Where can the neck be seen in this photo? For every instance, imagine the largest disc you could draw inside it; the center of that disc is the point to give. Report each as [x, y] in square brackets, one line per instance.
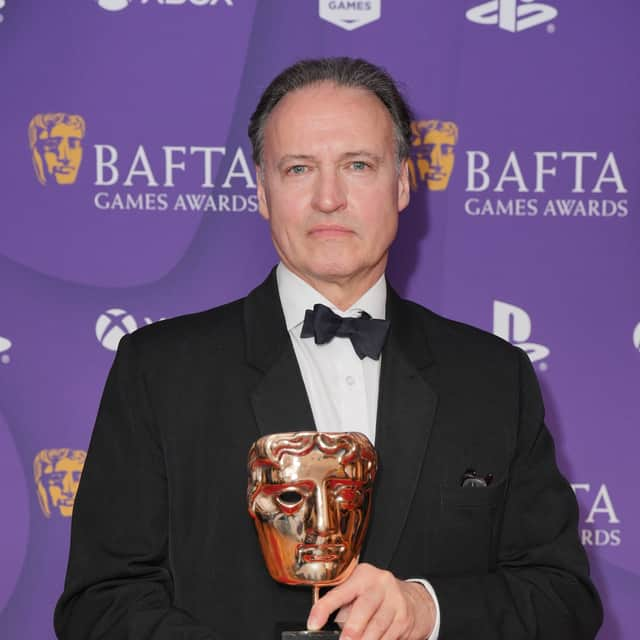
[343, 292]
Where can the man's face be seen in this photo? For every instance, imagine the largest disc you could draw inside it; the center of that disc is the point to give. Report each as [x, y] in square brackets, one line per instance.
[330, 185]
[61, 482]
[61, 149]
[434, 156]
[311, 515]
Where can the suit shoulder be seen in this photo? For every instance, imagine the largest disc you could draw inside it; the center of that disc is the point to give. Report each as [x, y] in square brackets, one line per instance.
[444, 334]
[212, 327]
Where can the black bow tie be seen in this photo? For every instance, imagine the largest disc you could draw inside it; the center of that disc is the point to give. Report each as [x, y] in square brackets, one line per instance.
[367, 334]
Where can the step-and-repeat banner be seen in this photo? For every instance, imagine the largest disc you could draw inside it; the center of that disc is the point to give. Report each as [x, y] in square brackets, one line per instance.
[128, 195]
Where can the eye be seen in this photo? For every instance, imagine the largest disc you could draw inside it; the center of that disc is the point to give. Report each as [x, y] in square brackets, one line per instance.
[297, 170]
[359, 165]
[289, 498]
[349, 498]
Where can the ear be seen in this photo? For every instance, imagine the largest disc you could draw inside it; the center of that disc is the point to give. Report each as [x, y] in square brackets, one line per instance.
[263, 207]
[404, 190]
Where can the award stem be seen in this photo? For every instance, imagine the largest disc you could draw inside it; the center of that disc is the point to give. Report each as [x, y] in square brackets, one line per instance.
[316, 594]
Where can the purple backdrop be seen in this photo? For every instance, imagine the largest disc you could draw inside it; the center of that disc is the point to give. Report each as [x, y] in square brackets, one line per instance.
[128, 196]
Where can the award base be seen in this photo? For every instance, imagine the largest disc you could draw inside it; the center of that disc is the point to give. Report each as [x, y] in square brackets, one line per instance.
[322, 634]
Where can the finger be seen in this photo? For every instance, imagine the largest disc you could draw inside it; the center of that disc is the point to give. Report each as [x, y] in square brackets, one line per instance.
[363, 610]
[379, 624]
[343, 615]
[338, 597]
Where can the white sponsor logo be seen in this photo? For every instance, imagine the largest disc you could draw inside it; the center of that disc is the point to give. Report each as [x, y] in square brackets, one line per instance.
[514, 324]
[119, 5]
[2, 5]
[512, 15]
[5, 345]
[112, 325]
[350, 14]
[601, 514]
[636, 336]
[114, 5]
[595, 178]
[163, 167]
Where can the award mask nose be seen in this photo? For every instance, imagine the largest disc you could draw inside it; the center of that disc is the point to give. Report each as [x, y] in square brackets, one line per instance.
[321, 521]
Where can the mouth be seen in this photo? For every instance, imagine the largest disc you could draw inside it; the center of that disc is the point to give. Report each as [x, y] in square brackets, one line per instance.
[320, 552]
[64, 170]
[330, 231]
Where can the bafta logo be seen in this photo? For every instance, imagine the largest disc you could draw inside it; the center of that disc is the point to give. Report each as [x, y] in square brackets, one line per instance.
[432, 153]
[57, 474]
[55, 140]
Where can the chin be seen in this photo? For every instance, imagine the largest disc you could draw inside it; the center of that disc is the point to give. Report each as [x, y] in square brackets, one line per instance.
[321, 573]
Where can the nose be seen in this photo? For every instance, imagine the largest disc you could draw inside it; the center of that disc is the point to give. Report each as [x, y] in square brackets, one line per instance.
[435, 157]
[63, 151]
[321, 521]
[329, 193]
[67, 484]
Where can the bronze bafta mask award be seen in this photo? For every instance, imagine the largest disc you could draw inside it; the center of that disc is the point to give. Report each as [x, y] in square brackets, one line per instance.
[309, 495]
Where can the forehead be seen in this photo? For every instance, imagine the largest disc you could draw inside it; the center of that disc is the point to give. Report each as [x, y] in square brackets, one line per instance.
[315, 465]
[62, 130]
[326, 117]
[64, 464]
[436, 135]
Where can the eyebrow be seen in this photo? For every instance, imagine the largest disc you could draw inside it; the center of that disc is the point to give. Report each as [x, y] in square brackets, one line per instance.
[298, 157]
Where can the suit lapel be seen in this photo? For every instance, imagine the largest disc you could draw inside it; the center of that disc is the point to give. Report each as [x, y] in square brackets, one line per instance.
[279, 401]
[406, 404]
[406, 411]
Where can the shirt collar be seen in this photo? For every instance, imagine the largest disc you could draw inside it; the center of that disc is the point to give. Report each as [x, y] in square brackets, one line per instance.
[296, 296]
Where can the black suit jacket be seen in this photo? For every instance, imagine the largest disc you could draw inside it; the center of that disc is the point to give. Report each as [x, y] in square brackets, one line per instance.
[162, 545]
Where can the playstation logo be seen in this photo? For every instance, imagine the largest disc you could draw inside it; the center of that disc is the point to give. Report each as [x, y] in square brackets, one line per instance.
[513, 324]
[512, 15]
[5, 345]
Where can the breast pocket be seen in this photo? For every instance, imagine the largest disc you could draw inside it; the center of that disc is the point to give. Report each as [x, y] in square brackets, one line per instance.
[466, 530]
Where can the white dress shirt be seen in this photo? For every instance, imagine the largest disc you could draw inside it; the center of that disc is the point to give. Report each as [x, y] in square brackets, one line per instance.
[342, 389]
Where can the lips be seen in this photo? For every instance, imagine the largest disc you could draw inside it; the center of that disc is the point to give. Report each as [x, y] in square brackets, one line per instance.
[330, 230]
[320, 552]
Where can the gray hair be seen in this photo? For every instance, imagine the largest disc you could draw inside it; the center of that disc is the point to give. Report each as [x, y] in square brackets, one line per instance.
[344, 72]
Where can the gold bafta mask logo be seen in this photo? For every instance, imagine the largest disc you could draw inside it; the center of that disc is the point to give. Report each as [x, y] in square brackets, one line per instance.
[309, 494]
[55, 140]
[432, 153]
[57, 474]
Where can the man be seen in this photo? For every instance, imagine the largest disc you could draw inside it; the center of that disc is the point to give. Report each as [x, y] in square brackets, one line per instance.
[468, 498]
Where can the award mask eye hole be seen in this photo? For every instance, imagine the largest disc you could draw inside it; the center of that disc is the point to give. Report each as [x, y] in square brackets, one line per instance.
[350, 498]
[289, 498]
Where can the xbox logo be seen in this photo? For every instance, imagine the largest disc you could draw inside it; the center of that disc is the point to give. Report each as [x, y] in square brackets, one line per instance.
[112, 325]
[113, 5]
[5, 345]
